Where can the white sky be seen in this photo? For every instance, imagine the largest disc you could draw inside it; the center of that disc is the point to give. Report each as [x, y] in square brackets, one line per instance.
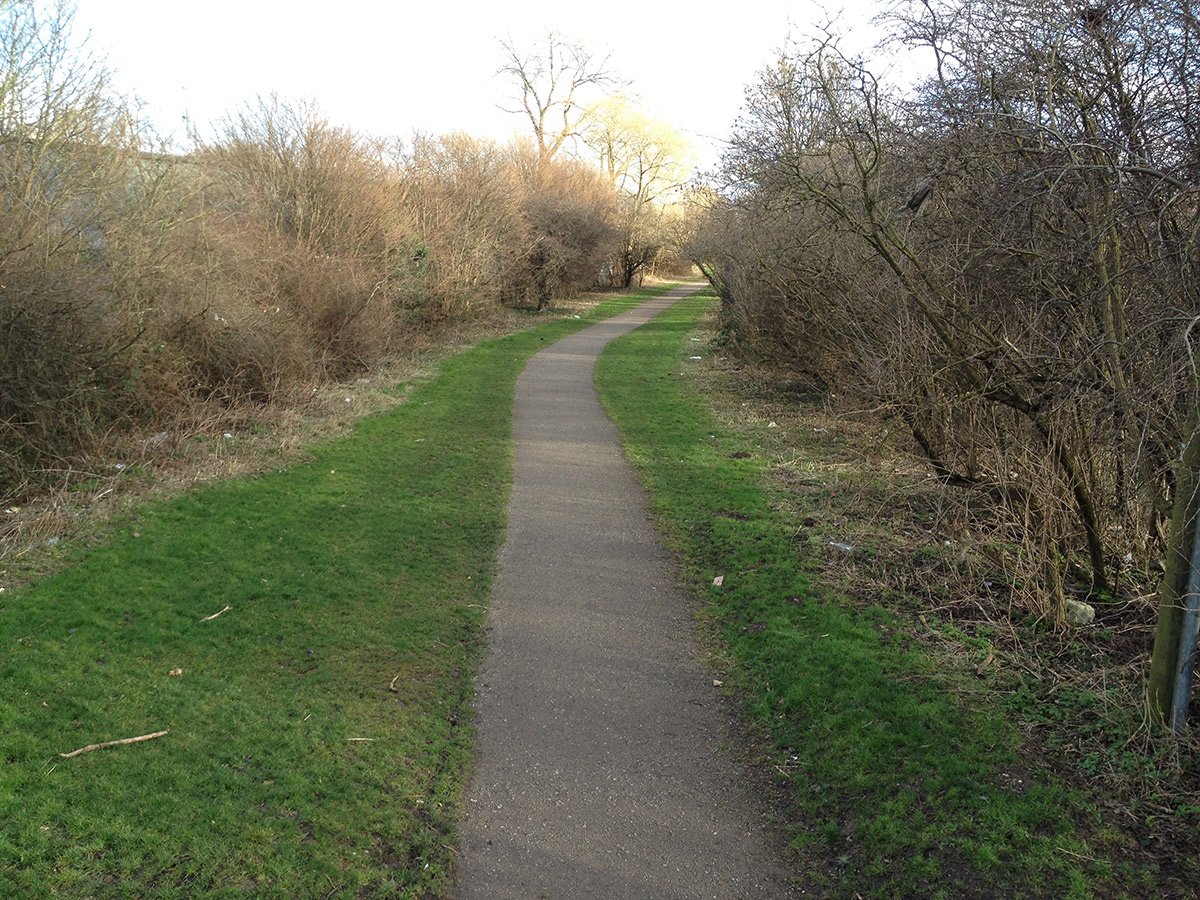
[392, 68]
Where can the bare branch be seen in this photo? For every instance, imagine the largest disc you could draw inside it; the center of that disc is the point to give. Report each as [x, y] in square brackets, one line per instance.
[550, 81]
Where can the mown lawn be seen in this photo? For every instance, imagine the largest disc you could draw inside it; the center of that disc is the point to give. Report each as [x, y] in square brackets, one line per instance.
[900, 783]
[319, 728]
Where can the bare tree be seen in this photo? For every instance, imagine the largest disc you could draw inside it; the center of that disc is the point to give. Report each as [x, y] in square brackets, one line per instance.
[549, 80]
[1025, 326]
[646, 160]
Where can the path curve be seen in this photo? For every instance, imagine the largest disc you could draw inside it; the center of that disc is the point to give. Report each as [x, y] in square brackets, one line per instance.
[600, 769]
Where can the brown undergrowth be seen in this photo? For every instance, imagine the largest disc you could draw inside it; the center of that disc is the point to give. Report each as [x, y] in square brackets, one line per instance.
[41, 531]
[877, 528]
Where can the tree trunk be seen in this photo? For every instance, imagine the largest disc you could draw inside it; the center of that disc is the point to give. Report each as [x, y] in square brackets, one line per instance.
[629, 268]
[1164, 663]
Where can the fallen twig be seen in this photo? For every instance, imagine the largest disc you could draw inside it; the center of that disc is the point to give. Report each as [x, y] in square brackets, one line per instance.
[133, 740]
[991, 657]
[214, 615]
[357, 740]
[1076, 855]
[392, 686]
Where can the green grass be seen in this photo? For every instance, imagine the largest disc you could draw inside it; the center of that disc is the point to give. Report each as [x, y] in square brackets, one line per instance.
[365, 568]
[902, 785]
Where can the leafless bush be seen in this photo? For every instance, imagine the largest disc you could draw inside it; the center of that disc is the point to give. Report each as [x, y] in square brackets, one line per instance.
[322, 208]
[1004, 263]
[139, 289]
[500, 225]
[465, 200]
[570, 216]
[72, 183]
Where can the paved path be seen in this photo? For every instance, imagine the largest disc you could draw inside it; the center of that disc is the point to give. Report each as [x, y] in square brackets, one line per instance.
[600, 767]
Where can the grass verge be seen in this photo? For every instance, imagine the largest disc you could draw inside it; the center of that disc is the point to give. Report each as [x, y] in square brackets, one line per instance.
[905, 778]
[318, 728]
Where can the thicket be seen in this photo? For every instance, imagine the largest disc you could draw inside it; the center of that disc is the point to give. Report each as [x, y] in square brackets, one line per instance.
[137, 287]
[1003, 263]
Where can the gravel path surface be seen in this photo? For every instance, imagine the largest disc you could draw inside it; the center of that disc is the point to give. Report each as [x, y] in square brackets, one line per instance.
[601, 767]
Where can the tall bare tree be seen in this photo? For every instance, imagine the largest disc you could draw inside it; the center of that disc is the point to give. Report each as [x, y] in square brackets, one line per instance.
[549, 80]
[647, 162]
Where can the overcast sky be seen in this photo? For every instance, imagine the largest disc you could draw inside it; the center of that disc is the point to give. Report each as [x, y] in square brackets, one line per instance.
[389, 68]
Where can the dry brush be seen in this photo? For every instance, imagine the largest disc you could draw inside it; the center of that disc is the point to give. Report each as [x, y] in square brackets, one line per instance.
[1003, 262]
[140, 288]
